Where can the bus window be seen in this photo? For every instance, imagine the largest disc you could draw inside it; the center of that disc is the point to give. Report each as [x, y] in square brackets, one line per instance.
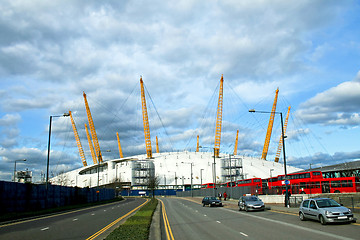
[346, 183]
[335, 184]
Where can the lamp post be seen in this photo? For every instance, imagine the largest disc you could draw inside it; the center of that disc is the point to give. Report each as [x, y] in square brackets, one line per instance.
[270, 179]
[98, 167]
[15, 166]
[191, 177]
[214, 172]
[283, 142]
[201, 176]
[231, 179]
[48, 153]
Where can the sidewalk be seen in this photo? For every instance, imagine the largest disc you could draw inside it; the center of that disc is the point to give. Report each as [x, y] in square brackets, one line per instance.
[233, 204]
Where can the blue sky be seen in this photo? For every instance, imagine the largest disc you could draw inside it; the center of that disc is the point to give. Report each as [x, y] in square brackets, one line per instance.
[50, 52]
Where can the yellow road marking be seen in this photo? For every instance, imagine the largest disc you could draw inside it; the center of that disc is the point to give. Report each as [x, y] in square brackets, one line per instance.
[168, 230]
[288, 213]
[53, 215]
[114, 222]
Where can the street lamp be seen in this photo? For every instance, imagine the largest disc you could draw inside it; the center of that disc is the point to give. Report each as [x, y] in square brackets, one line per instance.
[270, 179]
[231, 179]
[283, 142]
[15, 166]
[201, 176]
[48, 153]
[98, 167]
[214, 171]
[191, 177]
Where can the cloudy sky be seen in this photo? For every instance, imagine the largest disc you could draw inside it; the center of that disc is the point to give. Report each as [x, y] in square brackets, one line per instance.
[53, 51]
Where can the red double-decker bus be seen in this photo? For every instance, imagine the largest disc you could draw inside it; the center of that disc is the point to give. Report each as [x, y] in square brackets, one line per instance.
[228, 184]
[255, 185]
[207, 185]
[313, 183]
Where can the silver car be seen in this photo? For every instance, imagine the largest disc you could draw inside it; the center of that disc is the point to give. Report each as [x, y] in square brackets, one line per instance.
[251, 203]
[325, 210]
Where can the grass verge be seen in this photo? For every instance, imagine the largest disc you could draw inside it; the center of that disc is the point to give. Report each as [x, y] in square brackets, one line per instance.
[137, 226]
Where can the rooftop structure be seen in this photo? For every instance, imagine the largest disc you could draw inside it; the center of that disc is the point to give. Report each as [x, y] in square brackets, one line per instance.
[171, 168]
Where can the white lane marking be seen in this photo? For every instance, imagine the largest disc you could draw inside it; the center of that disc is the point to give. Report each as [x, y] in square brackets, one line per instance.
[204, 215]
[92, 214]
[292, 225]
[112, 208]
[75, 219]
[44, 229]
[244, 234]
[218, 221]
[104, 210]
[196, 211]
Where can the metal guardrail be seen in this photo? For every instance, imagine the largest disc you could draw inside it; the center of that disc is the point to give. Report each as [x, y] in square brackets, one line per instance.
[295, 201]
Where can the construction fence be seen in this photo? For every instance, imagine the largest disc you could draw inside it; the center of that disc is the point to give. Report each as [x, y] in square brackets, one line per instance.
[23, 197]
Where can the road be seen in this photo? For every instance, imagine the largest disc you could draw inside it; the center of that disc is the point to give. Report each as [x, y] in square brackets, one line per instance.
[79, 224]
[190, 220]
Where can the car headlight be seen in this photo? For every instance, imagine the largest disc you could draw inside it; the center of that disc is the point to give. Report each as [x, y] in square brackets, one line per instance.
[328, 213]
[250, 205]
[349, 210]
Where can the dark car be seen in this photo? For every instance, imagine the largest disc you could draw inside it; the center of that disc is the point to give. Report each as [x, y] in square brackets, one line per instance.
[251, 203]
[325, 210]
[211, 201]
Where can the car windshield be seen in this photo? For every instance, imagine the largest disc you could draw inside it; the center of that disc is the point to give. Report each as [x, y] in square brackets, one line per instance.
[212, 198]
[252, 198]
[325, 203]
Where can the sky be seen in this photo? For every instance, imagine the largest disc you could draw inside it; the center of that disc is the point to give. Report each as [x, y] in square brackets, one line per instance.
[53, 51]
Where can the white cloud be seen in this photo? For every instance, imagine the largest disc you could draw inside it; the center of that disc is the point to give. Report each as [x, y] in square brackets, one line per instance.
[53, 51]
[335, 106]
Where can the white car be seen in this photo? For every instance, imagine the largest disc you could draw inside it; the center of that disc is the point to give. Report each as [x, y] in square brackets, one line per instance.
[325, 210]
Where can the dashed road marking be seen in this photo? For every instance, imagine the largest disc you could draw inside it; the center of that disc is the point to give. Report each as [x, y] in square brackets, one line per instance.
[218, 221]
[75, 219]
[244, 234]
[44, 229]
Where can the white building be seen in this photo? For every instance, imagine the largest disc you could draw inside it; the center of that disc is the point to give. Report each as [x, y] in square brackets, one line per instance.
[172, 168]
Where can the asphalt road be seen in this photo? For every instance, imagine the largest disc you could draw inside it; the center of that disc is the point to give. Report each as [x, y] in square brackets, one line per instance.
[79, 224]
[189, 220]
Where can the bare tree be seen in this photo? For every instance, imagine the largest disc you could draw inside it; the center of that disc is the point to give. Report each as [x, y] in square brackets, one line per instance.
[152, 184]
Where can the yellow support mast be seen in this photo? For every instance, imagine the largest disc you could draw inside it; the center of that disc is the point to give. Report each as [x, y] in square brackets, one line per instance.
[277, 157]
[92, 130]
[145, 121]
[236, 142]
[270, 126]
[81, 150]
[197, 144]
[91, 146]
[157, 145]
[219, 119]
[120, 150]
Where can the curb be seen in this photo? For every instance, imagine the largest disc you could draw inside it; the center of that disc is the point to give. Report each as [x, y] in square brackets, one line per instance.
[155, 232]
